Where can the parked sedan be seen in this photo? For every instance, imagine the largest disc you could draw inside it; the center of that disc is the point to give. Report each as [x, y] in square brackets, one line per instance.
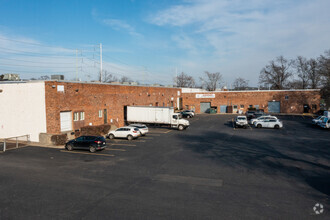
[269, 123]
[125, 132]
[262, 118]
[190, 111]
[142, 128]
[91, 143]
[186, 115]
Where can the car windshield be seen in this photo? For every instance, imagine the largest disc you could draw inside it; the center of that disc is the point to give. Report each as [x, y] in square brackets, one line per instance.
[241, 118]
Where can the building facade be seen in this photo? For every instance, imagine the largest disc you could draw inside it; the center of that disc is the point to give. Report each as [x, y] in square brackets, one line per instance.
[55, 107]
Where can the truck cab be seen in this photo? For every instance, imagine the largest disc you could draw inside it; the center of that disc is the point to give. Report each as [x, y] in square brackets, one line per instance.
[178, 122]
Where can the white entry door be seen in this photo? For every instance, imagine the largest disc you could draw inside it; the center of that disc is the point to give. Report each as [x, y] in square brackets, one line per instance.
[66, 121]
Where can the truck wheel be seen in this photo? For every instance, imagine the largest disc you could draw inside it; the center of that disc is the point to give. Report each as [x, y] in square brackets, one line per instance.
[259, 126]
[276, 126]
[111, 136]
[180, 127]
[129, 137]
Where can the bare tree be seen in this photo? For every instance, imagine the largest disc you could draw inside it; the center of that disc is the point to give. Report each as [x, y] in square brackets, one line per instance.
[314, 75]
[302, 68]
[240, 84]
[184, 80]
[44, 77]
[276, 74]
[125, 79]
[324, 65]
[211, 80]
[109, 77]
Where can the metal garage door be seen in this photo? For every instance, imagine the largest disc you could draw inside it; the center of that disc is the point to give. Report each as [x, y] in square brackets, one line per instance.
[205, 107]
[66, 121]
[223, 108]
[274, 107]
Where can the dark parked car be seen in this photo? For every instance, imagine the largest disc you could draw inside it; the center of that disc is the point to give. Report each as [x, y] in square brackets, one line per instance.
[250, 114]
[91, 143]
[186, 115]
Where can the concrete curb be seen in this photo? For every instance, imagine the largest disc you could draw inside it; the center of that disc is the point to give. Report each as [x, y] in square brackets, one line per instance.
[37, 144]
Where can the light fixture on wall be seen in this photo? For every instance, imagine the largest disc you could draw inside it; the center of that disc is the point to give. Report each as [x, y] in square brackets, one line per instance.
[53, 86]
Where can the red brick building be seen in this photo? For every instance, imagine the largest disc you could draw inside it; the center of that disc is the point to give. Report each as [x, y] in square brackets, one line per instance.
[276, 101]
[53, 107]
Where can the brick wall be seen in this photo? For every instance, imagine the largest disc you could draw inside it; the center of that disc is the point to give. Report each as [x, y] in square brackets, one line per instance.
[294, 103]
[92, 97]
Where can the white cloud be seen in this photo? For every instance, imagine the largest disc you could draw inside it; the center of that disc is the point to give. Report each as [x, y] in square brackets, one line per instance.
[117, 24]
[242, 36]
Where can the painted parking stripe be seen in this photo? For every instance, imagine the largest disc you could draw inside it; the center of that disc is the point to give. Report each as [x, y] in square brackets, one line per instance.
[147, 137]
[114, 149]
[153, 134]
[130, 145]
[76, 152]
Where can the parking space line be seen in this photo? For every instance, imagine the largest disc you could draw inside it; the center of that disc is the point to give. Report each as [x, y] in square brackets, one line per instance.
[154, 134]
[114, 149]
[130, 145]
[76, 152]
[167, 132]
[140, 141]
[147, 137]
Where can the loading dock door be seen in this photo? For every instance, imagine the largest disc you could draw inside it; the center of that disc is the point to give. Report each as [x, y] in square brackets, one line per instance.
[205, 107]
[223, 108]
[274, 107]
[66, 121]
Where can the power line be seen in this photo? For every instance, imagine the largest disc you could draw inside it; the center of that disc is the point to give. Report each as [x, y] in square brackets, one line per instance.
[1, 64]
[30, 61]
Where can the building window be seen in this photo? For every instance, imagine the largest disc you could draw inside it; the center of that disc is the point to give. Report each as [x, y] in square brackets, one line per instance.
[76, 116]
[100, 113]
[242, 106]
[250, 106]
[235, 106]
[286, 97]
[314, 107]
[82, 116]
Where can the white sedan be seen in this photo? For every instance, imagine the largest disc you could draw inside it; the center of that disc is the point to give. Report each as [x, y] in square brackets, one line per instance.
[262, 118]
[318, 120]
[125, 132]
[269, 123]
[143, 128]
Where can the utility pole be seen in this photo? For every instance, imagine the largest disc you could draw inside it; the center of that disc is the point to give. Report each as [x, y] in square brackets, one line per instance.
[76, 64]
[101, 73]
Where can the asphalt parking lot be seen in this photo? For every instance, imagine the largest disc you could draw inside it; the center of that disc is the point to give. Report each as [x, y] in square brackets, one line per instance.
[209, 171]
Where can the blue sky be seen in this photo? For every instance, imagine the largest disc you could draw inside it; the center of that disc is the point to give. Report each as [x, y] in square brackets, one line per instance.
[150, 40]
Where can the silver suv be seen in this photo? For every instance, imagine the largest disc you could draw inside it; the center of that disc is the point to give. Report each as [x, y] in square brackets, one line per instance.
[241, 121]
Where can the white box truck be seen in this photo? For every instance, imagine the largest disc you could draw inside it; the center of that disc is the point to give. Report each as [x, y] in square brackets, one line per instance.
[155, 115]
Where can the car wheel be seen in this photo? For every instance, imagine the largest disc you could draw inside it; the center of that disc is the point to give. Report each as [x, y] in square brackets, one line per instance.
[129, 137]
[180, 127]
[92, 149]
[69, 147]
[111, 136]
[276, 126]
[259, 126]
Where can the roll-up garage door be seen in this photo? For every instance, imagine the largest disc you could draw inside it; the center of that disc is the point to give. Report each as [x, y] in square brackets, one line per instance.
[66, 121]
[205, 107]
[274, 107]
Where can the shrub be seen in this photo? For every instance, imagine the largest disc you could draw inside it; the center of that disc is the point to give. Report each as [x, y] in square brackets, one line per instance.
[59, 139]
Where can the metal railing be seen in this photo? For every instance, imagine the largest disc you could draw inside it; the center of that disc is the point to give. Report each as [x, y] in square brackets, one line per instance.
[16, 140]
